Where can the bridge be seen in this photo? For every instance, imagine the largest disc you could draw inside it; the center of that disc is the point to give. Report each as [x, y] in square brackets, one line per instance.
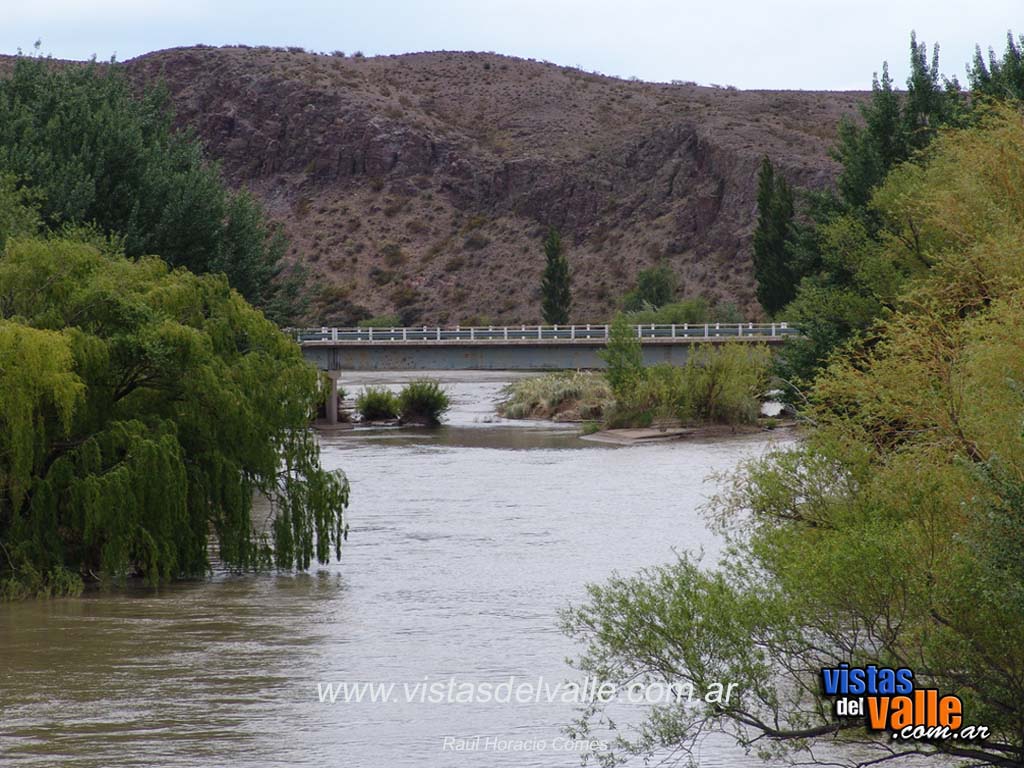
[517, 347]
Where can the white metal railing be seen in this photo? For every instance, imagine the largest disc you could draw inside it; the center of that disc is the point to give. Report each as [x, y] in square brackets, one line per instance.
[570, 333]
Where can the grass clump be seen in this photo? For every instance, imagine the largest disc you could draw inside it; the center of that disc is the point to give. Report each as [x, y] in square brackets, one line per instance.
[381, 321]
[568, 395]
[423, 401]
[377, 404]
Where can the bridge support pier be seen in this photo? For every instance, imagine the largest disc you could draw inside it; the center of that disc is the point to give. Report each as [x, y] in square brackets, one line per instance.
[332, 396]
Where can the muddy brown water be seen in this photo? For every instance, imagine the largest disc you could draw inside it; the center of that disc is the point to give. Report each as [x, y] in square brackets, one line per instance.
[465, 542]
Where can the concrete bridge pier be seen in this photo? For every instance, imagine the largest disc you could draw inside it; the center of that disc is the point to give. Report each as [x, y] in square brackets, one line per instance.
[332, 396]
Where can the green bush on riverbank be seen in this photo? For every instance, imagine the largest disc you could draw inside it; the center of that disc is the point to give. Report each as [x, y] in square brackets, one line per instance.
[377, 404]
[423, 401]
[718, 385]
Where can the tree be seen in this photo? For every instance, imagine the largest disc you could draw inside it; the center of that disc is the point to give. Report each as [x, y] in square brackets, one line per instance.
[140, 409]
[19, 214]
[867, 152]
[891, 536]
[772, 236]
[1000, 78]
[624, 357]
[655, 287]
[556, 297]
[841, 286]
[98, 154]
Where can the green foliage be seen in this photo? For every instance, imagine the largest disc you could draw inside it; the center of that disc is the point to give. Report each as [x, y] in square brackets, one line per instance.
[772, 235]
[695, 311]
[18, 212]
[718, 385]
[623, 356]
[725, 384]
[423, 401]
[895, 127]
[892, 534]
[98, 154]
[377, 404]
[653, 394]
[839, 257]
[583, 394]
[556, 298]
[381, 321]
[655, 287]
[142, 408]
[1000, 78]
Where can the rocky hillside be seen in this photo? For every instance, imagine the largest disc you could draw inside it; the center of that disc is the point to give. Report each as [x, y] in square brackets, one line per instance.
[422, 184]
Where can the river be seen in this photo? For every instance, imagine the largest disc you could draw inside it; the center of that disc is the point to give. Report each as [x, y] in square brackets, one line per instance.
[465, 542]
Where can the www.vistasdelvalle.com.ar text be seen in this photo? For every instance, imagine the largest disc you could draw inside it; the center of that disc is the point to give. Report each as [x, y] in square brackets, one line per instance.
[514, 690]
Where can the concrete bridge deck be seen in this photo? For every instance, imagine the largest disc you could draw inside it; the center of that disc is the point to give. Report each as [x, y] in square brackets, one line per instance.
[521, 347]
[685, 332]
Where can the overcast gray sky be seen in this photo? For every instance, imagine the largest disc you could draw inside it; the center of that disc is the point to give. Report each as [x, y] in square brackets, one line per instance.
[834, 44]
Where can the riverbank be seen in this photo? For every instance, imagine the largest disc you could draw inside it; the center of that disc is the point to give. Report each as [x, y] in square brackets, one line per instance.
[645, 435]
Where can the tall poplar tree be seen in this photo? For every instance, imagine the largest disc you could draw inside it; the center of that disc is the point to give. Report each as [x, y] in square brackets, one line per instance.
[772, 269]
[555, 289]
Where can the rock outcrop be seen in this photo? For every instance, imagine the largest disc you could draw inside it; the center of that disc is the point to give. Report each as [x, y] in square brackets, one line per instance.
[422, 185]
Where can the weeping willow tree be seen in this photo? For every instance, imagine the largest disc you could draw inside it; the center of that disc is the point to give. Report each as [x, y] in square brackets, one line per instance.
[140, 409]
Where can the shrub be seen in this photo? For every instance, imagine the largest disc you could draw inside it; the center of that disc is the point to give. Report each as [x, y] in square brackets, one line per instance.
[693, 310]
[377, 404]
[381, 321]
[380, 276]
[423, 401]
[719, 385]
[475, 242]
[477, 321]
[657, 393]
[543, 397]
[623, 356]
[655, 287]
[724, 384]
[393, 255]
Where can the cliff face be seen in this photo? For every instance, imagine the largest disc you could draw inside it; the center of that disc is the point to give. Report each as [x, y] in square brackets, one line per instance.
[423, 184]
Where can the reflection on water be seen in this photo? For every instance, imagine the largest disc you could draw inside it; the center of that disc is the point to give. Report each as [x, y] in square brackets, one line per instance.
[465, 542]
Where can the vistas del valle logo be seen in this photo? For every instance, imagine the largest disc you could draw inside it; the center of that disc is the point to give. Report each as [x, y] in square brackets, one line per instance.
[890, 701]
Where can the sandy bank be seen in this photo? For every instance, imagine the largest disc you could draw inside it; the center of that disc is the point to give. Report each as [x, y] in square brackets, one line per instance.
[638, 436]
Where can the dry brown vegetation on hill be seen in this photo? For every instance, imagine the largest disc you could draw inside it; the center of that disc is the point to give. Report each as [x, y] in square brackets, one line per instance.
[421, 185]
